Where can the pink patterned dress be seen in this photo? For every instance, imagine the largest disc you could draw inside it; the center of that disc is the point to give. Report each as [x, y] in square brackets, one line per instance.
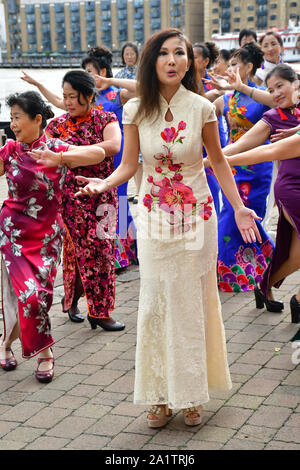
[90, 222]
[31, 233]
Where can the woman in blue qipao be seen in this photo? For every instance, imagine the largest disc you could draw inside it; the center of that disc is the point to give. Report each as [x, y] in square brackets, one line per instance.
[99, 62]
[205, 55]
[240, 265]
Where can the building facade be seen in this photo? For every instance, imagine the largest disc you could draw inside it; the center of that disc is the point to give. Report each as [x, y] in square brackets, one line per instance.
[225, 16]
[71, 27]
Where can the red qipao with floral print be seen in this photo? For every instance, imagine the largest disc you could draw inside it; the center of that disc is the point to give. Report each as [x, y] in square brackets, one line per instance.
[90, 221]
[31, 233]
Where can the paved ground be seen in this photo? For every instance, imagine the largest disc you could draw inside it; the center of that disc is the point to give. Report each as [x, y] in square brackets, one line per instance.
[89, 404]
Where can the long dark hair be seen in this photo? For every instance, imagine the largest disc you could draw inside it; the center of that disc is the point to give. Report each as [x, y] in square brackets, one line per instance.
[147, 81]
[32, 104]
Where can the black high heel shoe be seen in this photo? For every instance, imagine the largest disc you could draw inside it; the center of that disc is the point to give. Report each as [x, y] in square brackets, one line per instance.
[295, 310]
[74, 317]
[112, 326]
[271, 305]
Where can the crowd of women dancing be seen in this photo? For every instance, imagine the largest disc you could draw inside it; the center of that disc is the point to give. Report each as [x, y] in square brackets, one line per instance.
[212, 140]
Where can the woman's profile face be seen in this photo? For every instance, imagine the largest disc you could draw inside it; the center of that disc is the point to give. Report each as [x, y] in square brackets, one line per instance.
[220, 65]
[234, 64]
[92, 70]
[25, 129]
[72, 100]
[172, 62]
[200, 62]
[129, 56]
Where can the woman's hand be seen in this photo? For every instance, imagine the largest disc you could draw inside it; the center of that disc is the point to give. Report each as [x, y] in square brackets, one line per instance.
[234, 79]
[220, 84]
[283, 134]
[206, 163]
[245, 220]
[27, 78]
[102, 83]
[46, 157]
[93, 186]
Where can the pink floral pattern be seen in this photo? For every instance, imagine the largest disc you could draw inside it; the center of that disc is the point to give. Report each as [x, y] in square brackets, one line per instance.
[168, 192]
[84, 246]
[31, 234]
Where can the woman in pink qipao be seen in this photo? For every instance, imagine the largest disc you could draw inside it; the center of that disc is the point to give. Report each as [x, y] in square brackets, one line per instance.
[31, 228]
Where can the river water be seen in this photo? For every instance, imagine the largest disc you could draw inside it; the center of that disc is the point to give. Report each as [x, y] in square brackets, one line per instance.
[10, 82]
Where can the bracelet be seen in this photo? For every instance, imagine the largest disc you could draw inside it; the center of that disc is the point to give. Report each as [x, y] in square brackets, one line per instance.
[251, 92]
[61, 158]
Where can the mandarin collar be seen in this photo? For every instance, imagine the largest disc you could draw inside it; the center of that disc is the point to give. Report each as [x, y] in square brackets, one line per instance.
[36, 143]
[175, 100]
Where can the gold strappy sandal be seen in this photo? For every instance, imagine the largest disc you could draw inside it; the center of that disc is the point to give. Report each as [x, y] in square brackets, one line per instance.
[192, 416]
[158, 416]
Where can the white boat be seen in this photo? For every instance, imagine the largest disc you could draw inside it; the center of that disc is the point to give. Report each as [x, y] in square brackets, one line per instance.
[289, 36]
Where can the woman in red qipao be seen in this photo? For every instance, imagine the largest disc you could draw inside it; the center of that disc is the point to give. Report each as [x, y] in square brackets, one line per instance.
[89, 244]
[31, 228]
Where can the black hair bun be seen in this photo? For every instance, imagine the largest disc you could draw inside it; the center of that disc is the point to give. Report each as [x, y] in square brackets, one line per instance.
[48, 113]
[255, 53]
[213, 51]
[100, 52]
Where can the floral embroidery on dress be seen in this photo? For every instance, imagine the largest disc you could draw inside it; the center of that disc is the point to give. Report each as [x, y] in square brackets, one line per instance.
[112, 95]
[248, 270]
[169, 192]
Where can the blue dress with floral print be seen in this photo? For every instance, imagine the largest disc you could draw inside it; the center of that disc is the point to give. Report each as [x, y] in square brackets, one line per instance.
[125, 249]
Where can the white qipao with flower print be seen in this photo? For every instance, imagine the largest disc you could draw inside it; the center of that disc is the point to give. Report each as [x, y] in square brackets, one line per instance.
[181, 350]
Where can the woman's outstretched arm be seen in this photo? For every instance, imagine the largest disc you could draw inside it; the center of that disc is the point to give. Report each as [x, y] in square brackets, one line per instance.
[281, 150]
[125, 170]
[54, 99]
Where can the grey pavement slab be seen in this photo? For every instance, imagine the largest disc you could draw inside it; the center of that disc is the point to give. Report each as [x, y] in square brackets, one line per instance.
[89, 404]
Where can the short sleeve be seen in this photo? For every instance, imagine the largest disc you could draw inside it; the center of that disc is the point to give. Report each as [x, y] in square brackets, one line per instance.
[129, 111]
[108, 118]
[51, 129]
[7, 150]
[3, 153]
[209, 112]
[268, 120]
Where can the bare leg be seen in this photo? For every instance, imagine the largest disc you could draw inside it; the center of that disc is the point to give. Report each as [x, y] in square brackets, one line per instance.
[289, 266]
[45, 365]
[15, 334]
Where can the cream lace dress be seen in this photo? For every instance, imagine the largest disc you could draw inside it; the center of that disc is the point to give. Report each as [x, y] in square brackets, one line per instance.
[181, 348]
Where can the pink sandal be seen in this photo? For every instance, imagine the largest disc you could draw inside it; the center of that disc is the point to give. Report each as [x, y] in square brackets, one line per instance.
[45, 376]
[9, 363]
